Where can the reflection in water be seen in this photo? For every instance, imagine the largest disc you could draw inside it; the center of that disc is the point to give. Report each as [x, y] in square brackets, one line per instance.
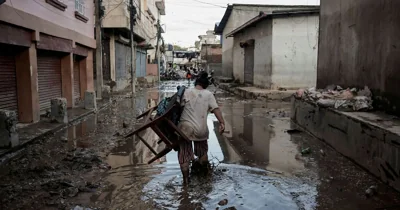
[79, 135]
[258, 140]
[251, 141]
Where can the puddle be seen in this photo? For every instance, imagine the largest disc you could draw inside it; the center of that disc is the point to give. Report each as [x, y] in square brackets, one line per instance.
[259, 165]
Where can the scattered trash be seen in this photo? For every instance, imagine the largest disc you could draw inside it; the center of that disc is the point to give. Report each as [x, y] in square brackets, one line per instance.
[282, 89]
[81, 208]
[371, 191]
[322, 152]
[223, 202]
[306, 151]
[125, 124]
[336, 97]
[272, 126]
[64, 139]
[293, 131]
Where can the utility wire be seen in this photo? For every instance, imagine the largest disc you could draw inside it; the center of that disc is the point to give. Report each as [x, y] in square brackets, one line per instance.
[122, 1]
[216, 5]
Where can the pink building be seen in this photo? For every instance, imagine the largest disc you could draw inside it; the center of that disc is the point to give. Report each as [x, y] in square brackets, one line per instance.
[46, 51]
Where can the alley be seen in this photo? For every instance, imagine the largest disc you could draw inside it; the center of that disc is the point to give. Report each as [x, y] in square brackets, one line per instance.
[259, 163]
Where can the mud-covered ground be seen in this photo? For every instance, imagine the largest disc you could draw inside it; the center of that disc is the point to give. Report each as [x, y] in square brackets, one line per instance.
[261, 163]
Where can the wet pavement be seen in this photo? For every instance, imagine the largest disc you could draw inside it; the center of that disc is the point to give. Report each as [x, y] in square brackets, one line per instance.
[260, 162]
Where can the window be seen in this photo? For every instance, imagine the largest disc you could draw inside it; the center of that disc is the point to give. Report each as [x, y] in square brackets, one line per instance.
[80, 6]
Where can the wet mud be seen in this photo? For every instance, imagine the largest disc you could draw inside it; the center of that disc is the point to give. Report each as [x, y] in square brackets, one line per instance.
[260, 162]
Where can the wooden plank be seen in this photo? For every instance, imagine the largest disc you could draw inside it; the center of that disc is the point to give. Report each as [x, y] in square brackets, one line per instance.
[147, 144]
[161, 135]
[177, 129]
[160, 155]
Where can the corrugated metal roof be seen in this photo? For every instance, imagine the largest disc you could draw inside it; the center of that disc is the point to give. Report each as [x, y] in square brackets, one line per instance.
[263, 16]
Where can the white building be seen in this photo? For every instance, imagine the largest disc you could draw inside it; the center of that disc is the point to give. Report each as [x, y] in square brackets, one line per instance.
[235, 16]
[209, 38]
[276, 50]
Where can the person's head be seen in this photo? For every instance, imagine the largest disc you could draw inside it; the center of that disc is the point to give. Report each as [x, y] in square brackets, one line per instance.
[202, 80]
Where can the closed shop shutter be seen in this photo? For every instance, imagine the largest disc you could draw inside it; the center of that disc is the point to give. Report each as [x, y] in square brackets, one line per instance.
[8, 83]
[143, 63]
[49, 76]
[140, 63]
[77, 83]
[120, 60]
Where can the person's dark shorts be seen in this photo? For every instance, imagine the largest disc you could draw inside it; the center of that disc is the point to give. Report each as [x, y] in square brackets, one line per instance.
[186, 152]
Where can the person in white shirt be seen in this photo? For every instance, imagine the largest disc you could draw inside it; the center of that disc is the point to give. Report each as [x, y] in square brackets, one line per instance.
[197, 102]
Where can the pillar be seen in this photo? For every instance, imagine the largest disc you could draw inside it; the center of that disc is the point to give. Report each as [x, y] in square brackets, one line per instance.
[67, 79]
[27, 86]
[86, 71]
[112, 57]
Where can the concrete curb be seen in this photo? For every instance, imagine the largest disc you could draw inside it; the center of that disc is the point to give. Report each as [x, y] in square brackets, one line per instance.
[52, 131]
[268, 95]
[371, 140]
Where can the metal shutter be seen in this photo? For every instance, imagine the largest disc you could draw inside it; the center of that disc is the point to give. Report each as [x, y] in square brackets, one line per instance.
[120, 61]
[140, 63]
[8, 83]
[77, 84]
[49, 76]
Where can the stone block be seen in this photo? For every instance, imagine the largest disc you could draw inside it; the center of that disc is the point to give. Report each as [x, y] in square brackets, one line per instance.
[106, 92]
[90, 100]
[8, 128]
[59, 110]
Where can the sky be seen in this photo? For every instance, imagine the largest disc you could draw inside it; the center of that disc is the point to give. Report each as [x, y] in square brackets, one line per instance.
[185, 20]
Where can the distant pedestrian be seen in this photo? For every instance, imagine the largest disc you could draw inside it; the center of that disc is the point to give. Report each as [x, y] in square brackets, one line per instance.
[188, 76]
[197, 102]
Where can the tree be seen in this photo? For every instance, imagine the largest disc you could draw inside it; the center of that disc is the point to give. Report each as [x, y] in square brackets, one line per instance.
[179, 48]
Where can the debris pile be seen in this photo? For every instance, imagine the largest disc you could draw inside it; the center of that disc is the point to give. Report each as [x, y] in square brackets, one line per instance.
[350, 99]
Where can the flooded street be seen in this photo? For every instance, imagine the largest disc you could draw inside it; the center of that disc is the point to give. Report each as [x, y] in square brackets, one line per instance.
[260, 162]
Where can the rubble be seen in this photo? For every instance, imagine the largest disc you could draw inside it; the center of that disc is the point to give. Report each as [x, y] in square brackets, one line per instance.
[371, 191]
[350, 99]
[223, 202]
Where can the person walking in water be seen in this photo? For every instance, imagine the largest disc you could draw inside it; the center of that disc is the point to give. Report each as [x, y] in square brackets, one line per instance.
[197, 102]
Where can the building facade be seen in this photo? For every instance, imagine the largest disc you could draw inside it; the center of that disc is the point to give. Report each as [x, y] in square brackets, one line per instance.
[117, 54]
[211, 57]
[46, 52]
[235, 16]
[277, 50]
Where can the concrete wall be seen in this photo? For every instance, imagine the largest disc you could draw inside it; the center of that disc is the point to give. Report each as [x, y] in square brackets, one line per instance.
[66, 19]
[117, 14]
[359, 46]
[295, 51]
[41, 17]
[262, 34]
[152, 69]
[240, 15]
[372, 140]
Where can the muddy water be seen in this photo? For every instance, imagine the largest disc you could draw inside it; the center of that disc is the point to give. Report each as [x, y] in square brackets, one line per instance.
[258, 165]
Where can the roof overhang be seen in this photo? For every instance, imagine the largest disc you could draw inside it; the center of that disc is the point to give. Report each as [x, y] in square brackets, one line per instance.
[262, 16]
[219, 29]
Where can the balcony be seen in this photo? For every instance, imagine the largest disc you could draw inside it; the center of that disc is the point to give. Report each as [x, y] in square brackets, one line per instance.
[160, 4]
[116, 14]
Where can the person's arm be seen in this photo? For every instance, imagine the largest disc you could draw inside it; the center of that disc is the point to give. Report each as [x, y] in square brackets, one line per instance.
[218, 114]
